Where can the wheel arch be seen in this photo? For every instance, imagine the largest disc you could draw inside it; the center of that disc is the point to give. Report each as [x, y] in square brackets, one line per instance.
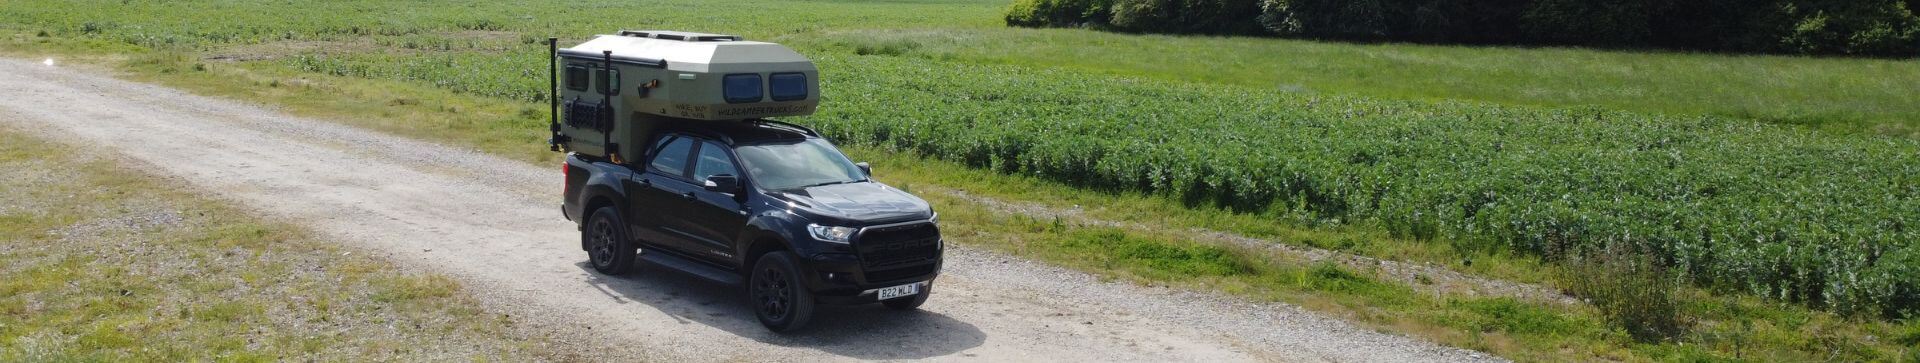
[765, 233]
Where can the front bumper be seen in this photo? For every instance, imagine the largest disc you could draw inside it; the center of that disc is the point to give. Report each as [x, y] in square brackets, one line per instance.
[838, 278]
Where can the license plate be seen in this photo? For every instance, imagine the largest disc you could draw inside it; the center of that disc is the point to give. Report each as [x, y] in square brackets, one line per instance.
[898, 291]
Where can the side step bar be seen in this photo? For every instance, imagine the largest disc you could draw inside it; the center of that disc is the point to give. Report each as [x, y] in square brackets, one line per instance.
[691, 267]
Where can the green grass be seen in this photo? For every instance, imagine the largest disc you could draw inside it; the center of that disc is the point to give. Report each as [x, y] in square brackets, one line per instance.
[943, 79]
[1836, 94]
[104, 264]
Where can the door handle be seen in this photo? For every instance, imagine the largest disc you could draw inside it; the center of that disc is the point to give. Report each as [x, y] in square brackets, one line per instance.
[688, 195]
[646, 182]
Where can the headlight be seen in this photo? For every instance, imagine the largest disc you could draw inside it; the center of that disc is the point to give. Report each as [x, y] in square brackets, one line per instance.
[831, 234]
[935, 219]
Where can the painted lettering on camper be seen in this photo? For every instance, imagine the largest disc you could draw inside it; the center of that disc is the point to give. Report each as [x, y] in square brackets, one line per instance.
[691, 110]
[749, 111]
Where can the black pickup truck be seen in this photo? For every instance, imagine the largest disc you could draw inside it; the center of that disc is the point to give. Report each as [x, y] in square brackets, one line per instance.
[766, 204]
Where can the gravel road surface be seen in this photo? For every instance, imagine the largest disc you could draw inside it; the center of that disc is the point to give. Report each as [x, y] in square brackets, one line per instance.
[495, 225]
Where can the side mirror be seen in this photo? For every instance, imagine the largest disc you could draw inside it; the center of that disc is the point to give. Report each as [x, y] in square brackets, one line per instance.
[722, 183]
[865, 168]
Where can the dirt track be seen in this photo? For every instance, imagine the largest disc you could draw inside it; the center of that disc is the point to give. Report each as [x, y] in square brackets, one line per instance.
[495, 225]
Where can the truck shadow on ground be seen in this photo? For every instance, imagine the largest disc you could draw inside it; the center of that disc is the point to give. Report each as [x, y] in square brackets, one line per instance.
[867, 332]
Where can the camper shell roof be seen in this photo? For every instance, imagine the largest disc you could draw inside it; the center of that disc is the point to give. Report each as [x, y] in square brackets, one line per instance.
[684, 51]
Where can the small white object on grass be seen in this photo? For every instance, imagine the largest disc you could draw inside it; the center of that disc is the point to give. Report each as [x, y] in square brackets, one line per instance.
[48, 62]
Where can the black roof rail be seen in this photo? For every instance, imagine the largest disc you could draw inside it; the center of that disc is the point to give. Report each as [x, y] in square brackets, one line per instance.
[682, 37]
[708, 134]
[802, 129]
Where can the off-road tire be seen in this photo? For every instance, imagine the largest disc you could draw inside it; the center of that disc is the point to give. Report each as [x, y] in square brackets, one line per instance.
[609, 249]
[779, 299]
[910, 302]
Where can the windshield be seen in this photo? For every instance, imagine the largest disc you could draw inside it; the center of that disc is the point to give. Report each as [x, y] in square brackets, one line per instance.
[797, 165]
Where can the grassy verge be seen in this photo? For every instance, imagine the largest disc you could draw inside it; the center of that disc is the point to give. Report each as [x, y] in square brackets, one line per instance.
[103, 264]
[1720, 326]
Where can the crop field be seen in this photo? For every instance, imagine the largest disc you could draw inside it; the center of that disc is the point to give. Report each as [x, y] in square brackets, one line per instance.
[1789, 178]
[1771, 210]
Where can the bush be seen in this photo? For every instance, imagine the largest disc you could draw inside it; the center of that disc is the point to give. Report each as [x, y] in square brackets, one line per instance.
[1219, 16]
[1147, 16]
[1862, 27]
[1187, 16]
[1588, 22]
[1058, 13]
[1455, 21]
[1327, 19]
[1633, 291]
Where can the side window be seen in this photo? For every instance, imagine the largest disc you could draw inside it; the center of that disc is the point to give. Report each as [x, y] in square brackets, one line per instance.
[741, 88]
[672, 159]
[577, 78]
[612, 84]
[713, 161]
[787, 86]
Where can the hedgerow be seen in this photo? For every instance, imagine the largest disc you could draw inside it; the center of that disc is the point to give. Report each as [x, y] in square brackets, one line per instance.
[1844, 27]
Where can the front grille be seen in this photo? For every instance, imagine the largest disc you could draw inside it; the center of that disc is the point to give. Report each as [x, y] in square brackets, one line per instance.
[899, 273]
[881, 248]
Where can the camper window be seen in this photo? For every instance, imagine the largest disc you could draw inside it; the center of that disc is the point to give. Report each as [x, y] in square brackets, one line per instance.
[787, 86]
[577, 78]
[741, 88]
[611, 85]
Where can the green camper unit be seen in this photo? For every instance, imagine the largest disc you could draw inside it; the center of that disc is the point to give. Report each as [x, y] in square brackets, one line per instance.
[613, 89]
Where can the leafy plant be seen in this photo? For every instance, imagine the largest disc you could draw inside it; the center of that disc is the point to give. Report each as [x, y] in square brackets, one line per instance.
[1635, 292]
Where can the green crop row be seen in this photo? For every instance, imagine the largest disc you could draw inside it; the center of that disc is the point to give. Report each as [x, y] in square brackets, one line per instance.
[1738, 205]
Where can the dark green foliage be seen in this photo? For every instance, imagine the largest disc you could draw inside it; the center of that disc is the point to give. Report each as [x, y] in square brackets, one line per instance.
[1456, 21]
[1336, 19]
[1446, 21]
[1147, 16]
[1058, 13]
[1592, 22]
[1717, 25]
[1152, 16]
[1866, 27]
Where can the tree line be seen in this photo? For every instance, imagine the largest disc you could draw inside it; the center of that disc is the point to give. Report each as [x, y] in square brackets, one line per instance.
[1880, 28]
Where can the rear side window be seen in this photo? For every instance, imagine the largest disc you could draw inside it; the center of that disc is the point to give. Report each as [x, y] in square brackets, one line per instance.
[672, 158]
[787, 86]
[577, 78]
[741, 88]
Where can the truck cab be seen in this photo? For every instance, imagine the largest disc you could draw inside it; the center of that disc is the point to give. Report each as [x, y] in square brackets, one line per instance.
[766, 205]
